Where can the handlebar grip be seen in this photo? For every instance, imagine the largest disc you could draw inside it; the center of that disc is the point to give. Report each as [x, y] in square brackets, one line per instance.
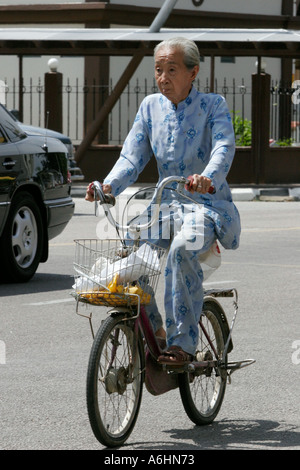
[96, 188]
[109, 199]
[211, 190]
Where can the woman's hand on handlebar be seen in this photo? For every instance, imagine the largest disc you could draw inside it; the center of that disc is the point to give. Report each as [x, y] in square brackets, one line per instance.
[106, 188]
[199, 184]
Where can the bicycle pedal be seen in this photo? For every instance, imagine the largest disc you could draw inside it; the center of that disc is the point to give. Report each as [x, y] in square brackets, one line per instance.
[173, 368]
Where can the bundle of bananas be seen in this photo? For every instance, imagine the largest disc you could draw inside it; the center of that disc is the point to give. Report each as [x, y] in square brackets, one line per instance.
[104, 297]
[113, 286]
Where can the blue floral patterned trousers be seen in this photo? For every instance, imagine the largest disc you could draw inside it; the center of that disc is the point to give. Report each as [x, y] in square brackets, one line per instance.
[188, 231]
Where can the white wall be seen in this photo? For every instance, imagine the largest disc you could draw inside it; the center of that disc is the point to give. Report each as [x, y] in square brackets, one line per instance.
[36, 2]
[241, 71]
[35, 68]
[2, 92]
[73, 68]
[270, 7]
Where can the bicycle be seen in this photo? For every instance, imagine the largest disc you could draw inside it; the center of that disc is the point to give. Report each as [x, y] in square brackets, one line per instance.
[125, 349]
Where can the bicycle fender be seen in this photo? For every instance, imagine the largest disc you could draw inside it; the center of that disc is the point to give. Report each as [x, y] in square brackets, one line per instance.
[208, 300]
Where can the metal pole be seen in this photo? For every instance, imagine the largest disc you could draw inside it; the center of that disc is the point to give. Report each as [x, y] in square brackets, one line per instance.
[212, 73]
[162, 16]
[21, 90]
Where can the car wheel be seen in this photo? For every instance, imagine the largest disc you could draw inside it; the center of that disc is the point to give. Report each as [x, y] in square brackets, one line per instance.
[22, 240]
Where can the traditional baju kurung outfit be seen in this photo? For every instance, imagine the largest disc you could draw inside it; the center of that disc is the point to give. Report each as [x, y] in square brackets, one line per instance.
[194, 137]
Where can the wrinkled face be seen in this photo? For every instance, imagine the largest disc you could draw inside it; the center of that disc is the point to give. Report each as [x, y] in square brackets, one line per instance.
[173, 78]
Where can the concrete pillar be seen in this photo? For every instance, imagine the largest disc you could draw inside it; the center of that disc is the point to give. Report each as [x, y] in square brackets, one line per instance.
[53, 98]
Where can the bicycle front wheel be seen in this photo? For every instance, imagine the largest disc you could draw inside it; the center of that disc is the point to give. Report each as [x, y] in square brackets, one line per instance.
[114, 381]
[202, 392]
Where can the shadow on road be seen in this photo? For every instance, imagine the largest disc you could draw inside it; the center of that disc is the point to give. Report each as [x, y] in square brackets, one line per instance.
[232, 435]
[41, 282]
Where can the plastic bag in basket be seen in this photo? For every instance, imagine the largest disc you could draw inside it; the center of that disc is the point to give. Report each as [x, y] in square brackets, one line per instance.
[142, 262]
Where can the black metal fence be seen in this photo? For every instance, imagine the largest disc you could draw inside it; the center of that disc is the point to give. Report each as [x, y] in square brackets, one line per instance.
[76, 97]
[285, 92]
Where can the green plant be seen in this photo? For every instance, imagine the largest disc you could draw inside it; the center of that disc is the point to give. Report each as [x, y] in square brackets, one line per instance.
[284, 142]
[242, 129]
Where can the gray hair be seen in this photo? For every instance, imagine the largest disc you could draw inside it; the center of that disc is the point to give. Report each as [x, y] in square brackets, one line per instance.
[191, 55]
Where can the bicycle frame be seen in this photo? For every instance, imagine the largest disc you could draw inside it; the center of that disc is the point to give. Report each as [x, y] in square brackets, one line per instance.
[125, 351]
[142, 321]
[142, 324]
[155, 350]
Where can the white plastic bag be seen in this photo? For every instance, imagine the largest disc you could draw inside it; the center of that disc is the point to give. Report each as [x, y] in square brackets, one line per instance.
[210, 260]
[144, 261]
[139, 263]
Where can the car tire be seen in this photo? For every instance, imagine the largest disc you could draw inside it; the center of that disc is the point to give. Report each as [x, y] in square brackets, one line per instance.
[21, 243]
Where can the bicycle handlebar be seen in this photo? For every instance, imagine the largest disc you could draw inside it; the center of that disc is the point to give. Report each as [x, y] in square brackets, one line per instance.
[108, 199]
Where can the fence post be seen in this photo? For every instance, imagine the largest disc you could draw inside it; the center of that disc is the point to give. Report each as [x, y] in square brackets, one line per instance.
[285, 102]
[260, 123]
[53, 97]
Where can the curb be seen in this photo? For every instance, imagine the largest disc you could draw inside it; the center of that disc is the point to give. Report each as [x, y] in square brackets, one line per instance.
[278, 194]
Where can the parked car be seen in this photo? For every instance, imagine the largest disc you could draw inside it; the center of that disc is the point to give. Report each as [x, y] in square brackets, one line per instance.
[35, 198]
[76, 173]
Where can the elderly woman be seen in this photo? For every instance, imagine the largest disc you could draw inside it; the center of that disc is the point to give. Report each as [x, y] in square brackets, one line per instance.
[190, 134]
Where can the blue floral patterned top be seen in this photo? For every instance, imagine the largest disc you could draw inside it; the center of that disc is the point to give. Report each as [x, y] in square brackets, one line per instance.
[195, 137]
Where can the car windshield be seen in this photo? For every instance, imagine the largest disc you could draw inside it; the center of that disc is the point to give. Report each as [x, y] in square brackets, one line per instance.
[12, 129]
[8, 112]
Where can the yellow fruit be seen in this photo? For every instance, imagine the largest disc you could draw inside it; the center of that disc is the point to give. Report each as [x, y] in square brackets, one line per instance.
[133, 290]
[104, 296]
[112, 286]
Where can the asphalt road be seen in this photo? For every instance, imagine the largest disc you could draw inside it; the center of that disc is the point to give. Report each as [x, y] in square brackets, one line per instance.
[44, 349]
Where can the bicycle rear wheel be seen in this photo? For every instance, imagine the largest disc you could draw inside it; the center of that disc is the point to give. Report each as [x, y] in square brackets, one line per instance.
[114, 381]
[202, 392]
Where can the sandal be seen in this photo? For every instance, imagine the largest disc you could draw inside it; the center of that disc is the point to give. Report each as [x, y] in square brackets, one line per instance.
[174, 356]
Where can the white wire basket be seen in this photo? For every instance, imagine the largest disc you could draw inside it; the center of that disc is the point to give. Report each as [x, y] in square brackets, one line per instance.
[110, 273]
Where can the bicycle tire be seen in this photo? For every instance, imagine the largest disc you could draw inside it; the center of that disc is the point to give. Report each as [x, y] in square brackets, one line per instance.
[202, 395]
[113, 394]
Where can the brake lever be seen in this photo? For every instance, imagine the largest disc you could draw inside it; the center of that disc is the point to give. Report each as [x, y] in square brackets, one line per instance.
[103, 197]
[109, 199]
